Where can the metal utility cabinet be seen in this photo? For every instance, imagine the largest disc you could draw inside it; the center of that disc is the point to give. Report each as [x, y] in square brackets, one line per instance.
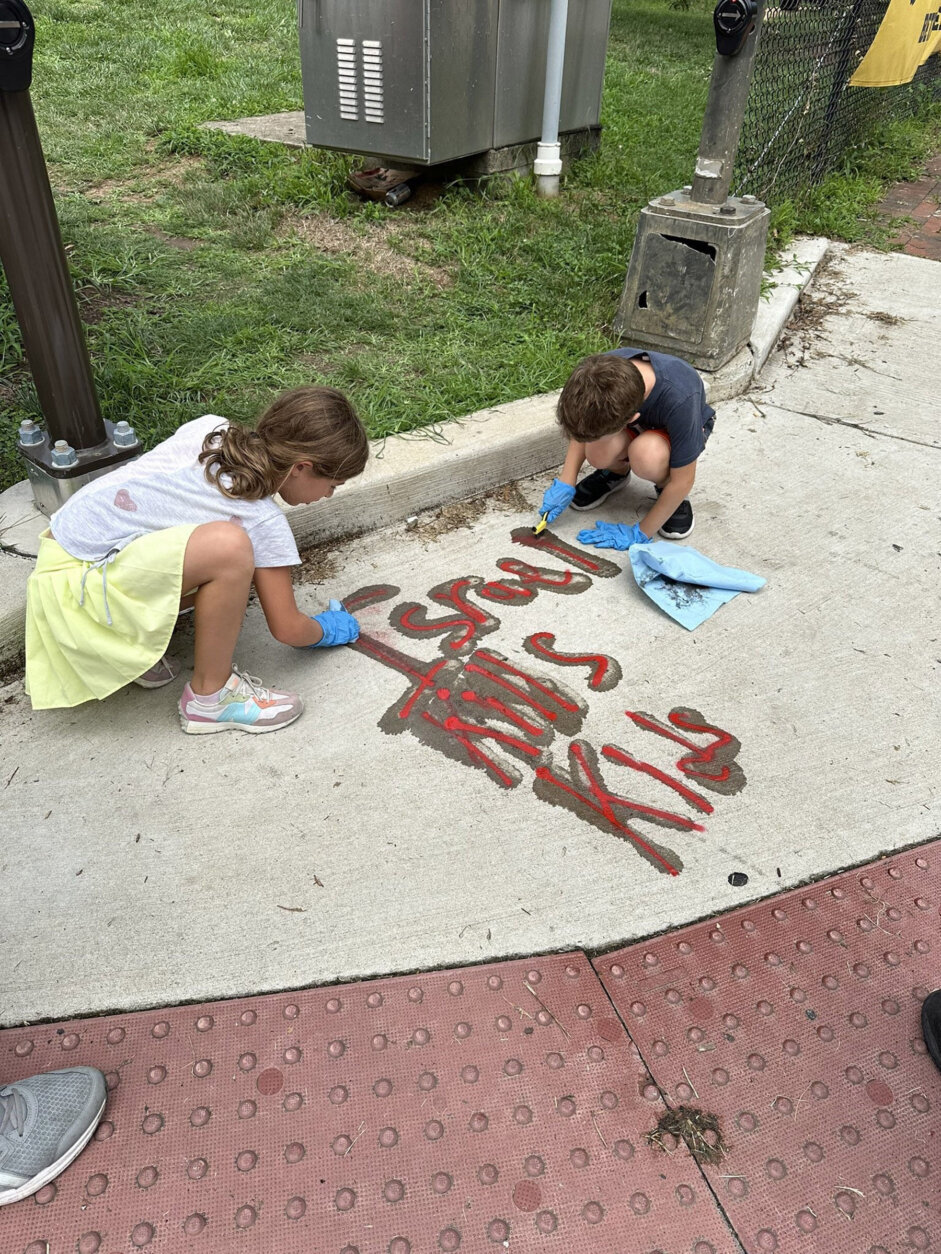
[427, 81]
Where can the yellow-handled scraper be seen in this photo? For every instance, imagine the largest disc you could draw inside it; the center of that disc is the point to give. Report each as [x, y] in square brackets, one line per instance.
[541, 525]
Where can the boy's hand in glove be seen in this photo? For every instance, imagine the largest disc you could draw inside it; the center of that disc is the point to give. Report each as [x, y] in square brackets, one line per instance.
[613, 536]
[337, 625]
[558, 497]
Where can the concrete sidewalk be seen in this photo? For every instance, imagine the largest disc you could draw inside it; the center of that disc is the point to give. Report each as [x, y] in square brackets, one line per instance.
[142, 867]
[423, 470]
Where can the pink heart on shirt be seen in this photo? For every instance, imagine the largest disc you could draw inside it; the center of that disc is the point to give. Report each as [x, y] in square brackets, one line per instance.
[123, 500]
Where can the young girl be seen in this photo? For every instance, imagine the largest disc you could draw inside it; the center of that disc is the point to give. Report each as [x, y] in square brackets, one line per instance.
[193, 522]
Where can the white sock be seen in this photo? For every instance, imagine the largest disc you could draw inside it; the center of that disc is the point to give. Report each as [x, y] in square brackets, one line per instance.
[209, 698]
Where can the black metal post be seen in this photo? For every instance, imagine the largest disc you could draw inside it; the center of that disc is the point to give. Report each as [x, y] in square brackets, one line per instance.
[32, 253]
[79, 444]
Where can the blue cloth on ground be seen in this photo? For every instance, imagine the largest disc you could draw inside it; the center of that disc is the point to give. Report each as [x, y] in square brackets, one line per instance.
[685, 583]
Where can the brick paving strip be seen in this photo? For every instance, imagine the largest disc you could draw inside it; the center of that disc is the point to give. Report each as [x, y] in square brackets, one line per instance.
[922, 202]
[507, 1106]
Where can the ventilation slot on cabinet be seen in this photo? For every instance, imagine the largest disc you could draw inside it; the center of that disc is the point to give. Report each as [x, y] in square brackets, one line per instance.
[348, 80]
[372, 81]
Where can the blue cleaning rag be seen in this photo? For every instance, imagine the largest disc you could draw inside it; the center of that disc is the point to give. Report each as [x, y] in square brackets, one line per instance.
[685, 583]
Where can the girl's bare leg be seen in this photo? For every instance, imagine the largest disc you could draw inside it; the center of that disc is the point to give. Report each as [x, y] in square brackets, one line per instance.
[219, 562]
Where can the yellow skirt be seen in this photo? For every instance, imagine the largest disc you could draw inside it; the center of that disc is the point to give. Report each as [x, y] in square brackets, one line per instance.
[93, 627]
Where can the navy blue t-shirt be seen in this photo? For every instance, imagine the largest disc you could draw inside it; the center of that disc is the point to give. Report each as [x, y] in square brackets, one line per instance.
[676, 404]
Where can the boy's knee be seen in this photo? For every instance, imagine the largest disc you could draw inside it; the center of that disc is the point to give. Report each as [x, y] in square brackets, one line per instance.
[603, 454]
[649, 456]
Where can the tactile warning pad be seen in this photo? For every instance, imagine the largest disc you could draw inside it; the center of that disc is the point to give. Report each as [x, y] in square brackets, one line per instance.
[797, 1021]
[498, 1107]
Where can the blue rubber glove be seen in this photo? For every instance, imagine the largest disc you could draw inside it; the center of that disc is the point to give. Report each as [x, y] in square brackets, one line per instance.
[558, 497]
[613, 536]
[338, 626]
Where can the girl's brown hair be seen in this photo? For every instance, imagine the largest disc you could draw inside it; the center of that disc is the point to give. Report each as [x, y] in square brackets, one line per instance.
[602, 395]
[310, 424]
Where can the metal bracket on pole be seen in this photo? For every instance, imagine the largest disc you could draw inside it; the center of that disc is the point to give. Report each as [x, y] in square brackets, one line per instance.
[40, 285]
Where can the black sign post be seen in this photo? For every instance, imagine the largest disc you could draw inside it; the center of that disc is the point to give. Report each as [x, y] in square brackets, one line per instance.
[79, 444]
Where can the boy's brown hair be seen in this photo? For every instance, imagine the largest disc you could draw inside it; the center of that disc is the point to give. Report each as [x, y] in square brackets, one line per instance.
[601, 396]
[309, 424]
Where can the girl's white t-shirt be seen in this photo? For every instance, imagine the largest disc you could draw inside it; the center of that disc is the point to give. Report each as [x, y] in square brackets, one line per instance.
[167, 487]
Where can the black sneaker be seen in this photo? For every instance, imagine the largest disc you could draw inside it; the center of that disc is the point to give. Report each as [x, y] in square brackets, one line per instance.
[597, 487]
[680, 523]
[931, 1026]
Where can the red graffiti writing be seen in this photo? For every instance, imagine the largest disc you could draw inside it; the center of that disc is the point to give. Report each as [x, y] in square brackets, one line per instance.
[618, 755]
[480, 709]
[372, 594]
[460, 630]
[725, 775]
[549, 543]
[582, 790]
[605, 671]
[530, 581]
[484, 711]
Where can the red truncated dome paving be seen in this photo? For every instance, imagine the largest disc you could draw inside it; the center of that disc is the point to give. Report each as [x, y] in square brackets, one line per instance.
[505, 1107]
[797, 1022]
[500, 1107]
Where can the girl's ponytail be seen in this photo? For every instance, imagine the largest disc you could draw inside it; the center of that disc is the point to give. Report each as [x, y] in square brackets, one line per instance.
[310, 424]
[238, 454]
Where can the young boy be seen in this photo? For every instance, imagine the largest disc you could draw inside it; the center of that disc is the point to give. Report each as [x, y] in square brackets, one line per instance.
[626, 410]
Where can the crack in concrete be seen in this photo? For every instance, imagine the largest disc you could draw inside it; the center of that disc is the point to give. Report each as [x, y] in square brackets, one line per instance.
[15, 552]
[839, 422]
[858, 363]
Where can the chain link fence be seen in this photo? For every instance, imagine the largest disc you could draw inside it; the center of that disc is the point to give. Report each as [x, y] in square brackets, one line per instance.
[802, 116]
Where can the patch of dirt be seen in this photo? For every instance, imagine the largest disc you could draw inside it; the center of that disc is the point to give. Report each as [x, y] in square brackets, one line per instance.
[889, 320]
[700, 1131]
[510, 499]
[827, 296]
[93, 303]
[317, 564]
[322, 362]
[183, 242]
[11, 669]
[372, 250]
[437, 523]
[144, 186]
[434, 524]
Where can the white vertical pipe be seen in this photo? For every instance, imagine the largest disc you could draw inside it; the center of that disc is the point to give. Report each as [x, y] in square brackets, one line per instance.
[548, 164]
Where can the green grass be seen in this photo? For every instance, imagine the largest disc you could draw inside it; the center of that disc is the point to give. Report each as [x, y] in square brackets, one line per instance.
[843, 205]
[213, 271]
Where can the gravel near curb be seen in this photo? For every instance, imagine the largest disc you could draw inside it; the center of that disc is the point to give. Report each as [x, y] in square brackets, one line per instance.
[421, 471]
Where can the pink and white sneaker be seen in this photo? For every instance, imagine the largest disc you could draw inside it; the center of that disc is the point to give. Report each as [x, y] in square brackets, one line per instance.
[244, 705]
[163, 672]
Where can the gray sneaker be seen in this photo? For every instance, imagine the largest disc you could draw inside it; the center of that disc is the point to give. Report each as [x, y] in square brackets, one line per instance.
[45, 1122]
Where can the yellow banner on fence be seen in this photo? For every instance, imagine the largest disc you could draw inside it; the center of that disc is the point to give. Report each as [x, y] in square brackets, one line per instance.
[910, 33]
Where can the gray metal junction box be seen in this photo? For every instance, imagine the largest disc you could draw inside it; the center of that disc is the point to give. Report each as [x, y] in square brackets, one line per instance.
[694, 280]
[427, 81]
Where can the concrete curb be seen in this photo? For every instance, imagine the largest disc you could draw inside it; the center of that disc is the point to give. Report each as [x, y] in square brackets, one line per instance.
[411, 473]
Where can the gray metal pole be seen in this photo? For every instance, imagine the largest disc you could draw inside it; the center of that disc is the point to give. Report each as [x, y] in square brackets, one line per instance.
[40, 285]
[722, 124]
[548, 164]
